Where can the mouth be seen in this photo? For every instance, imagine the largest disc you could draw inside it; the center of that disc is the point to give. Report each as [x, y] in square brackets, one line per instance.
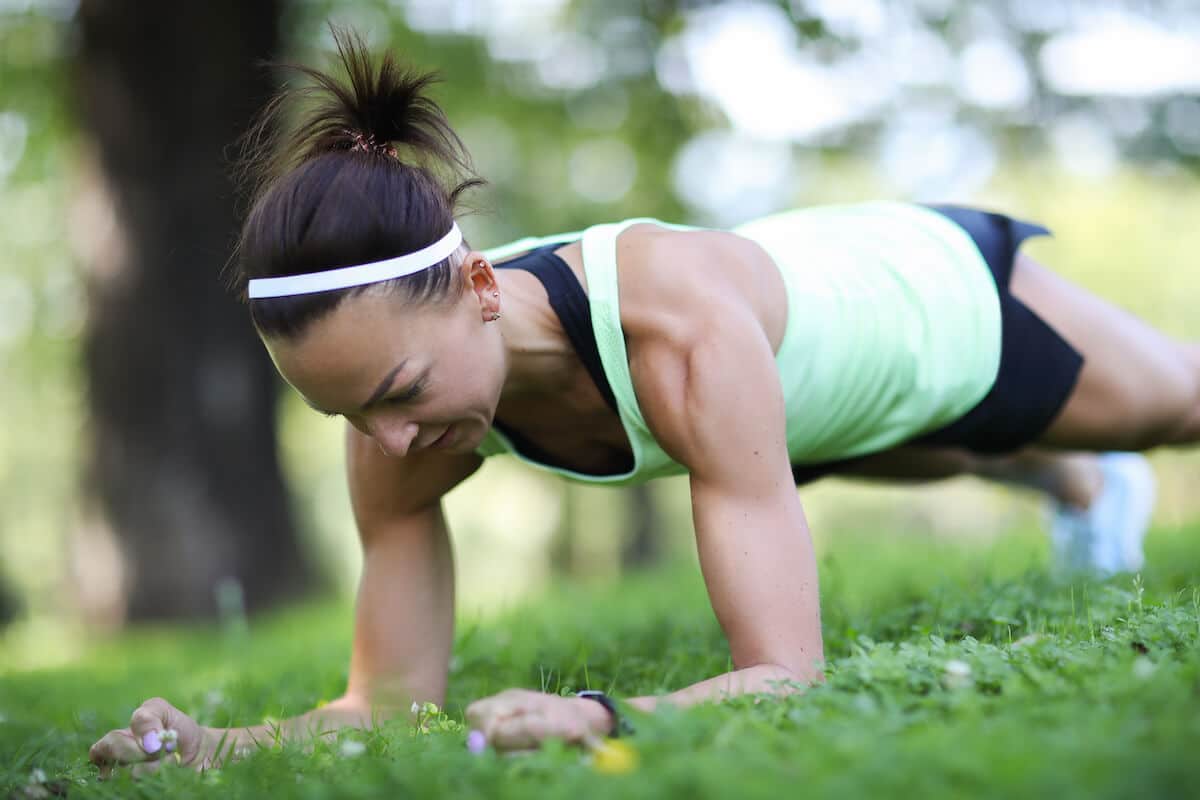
[444, 440]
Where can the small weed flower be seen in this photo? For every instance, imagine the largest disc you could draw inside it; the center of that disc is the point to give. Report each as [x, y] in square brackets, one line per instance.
[614, 757]
[352, 748]
[476, 742]
[957, 674]
[37, 776]
[1143, 668]
[431, 719]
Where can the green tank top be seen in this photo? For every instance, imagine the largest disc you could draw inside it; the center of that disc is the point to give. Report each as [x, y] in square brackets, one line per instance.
[893, 330]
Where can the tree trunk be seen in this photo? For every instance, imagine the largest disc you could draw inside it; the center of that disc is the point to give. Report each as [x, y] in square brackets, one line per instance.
[182, 465]
[643, 548]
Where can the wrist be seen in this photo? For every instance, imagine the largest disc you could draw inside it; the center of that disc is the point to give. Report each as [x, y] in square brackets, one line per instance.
[219, 746]
[213, 740]
[600, 720]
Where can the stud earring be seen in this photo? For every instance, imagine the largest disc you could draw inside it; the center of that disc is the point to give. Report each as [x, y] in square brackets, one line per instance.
[495, 316]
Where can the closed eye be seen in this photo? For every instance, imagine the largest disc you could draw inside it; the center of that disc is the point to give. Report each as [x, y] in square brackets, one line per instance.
[408, 395]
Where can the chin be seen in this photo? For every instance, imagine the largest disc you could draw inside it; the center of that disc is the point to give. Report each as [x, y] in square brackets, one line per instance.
[465, 441]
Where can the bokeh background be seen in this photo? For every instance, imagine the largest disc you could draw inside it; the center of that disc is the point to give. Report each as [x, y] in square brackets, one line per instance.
[151, 467]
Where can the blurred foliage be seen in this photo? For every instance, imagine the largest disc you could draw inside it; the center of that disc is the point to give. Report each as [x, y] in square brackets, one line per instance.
[587, 111]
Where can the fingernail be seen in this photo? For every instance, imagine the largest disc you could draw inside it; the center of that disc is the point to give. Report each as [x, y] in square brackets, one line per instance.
[476, 742]
[151, 742]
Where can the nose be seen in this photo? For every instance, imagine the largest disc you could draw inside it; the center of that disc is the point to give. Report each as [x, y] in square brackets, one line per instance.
[394, 438]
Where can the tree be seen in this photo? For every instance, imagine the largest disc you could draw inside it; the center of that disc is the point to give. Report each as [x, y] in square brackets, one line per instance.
[182, 464]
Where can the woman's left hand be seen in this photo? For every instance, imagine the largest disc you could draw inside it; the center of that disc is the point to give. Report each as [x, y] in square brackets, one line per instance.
[518, 719]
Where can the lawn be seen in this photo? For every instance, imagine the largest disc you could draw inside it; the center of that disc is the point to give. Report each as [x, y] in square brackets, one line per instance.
[955, 670]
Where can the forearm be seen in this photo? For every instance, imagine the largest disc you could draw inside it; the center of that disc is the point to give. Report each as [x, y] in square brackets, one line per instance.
[758, 679]
[224, 743]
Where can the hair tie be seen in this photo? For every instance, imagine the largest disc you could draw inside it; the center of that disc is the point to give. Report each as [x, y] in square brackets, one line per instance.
[367, 144]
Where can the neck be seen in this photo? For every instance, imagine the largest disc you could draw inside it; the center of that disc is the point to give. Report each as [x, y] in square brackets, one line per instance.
[537, 352]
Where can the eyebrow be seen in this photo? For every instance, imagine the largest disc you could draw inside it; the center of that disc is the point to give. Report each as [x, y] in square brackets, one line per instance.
[375, 397]
[383, 387]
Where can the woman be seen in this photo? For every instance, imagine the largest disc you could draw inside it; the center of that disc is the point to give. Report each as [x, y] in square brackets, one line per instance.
[882, 340]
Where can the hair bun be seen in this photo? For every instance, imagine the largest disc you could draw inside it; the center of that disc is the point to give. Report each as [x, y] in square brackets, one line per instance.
[384, 109]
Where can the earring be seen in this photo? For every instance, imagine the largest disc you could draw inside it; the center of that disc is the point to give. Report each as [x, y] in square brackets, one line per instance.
[495, 294]
[495, 316]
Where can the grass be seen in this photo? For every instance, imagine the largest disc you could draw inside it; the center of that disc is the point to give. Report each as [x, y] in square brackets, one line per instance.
[1075, 689]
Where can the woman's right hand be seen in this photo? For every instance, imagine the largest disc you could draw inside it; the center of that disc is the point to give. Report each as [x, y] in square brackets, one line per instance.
[147, 743]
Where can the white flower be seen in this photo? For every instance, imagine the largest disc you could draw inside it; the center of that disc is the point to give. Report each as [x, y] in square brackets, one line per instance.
[352, 748]
[957, 674]
[1143, 668]
[37, 776]
[416, 708]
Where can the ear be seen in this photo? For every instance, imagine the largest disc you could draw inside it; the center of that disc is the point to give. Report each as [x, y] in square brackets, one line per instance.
[480, 278]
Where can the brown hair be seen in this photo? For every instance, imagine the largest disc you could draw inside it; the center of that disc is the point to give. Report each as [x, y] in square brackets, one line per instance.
[359, 175]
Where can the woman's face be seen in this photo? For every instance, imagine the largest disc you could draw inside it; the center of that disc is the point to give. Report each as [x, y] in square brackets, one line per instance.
[410, 377]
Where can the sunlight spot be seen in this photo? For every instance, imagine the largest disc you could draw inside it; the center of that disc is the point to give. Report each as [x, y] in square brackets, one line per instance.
[732, 178]
[1123, 54]
[14, 130]
[993, 75]
[602, 170]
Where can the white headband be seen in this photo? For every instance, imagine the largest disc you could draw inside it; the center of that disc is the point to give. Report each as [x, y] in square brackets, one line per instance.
[345, 277]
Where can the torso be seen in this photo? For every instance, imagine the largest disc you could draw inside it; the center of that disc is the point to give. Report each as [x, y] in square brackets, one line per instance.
[573, 425]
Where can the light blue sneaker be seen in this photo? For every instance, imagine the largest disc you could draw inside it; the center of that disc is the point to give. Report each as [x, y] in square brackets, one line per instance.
[1106, 538]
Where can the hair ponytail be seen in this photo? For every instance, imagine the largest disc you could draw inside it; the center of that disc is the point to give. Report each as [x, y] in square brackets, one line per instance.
[340, 173]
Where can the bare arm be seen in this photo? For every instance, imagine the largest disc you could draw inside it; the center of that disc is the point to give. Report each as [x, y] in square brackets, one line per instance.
[711, 394]
[706, 381]
[404, 619]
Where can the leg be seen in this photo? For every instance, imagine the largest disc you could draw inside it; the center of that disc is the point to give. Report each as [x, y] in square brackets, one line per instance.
[1138, 388]
[1072, 479]
[1101, 504]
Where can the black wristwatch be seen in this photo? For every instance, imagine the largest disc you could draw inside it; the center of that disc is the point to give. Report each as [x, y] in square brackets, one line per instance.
[620, 725]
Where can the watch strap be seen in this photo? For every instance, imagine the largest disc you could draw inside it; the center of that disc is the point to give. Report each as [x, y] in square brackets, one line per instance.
[620, 725]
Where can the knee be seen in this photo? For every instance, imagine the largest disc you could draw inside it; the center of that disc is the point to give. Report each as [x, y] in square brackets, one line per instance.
[957, 461]
[1174, 415]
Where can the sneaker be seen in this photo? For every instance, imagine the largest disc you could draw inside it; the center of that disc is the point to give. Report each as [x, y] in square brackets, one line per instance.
[1106, 537]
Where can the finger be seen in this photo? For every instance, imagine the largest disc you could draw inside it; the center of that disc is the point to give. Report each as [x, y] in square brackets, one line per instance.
[475, 714]
[150, 720]
[481, 712]
[512, 733]
[488, 706]
[154, 714]
[505, 704]
[116, 747]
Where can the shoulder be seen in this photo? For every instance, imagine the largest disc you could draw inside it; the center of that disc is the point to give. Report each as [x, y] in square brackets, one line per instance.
[671, 280]
[692, 308]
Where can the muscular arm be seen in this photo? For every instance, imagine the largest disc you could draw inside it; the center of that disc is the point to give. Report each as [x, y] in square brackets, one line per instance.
[404, 619]
[710, 391]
